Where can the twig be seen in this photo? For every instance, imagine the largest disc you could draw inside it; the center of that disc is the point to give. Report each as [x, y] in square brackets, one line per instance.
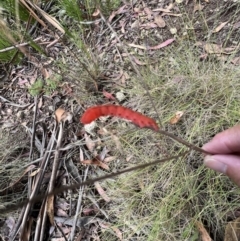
[33, 199]
[38, 179]
[32, 142]
[13, 104]
[18, 45]
[180, 140]
[78, 206]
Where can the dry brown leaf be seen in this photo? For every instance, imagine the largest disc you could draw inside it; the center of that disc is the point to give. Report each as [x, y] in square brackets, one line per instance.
[198, 7]
[96, 162]
[117, 142]
[89, 142]
[229, 50]
[204, 234]
[35, 172]
[161, 45]
[161, 10]
[54, 22]
[101, 164]
[118, 232]
[137, 46]
[170, 6]
[62, 115]
[50, 208]
[236, 61]
[135, 24]
[109, 226]
[148, 11]
[236, 25]
[137, 61]
[213, 48]
[59, 114]
[159, 21]
[232, 230]
[119, 11]
[172, 14]
[108, 95]
[96, 13]
[176, 118]
[219, 27]
[101, 192]
[110, 159]
[148, 25]
[218, 49]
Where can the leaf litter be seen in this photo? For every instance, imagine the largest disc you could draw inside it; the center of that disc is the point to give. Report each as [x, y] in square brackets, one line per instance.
[143, 19]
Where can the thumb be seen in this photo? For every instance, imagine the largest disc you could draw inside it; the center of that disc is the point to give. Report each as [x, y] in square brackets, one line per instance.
[226, 164]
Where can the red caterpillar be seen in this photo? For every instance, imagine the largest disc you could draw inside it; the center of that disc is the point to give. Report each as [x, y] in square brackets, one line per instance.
[137, 118]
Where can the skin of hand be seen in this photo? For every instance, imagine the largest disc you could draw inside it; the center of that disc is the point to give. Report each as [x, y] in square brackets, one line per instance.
[225, 148]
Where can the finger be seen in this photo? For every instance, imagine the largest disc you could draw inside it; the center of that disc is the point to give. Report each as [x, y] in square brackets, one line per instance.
[225, 142]
[227, 164]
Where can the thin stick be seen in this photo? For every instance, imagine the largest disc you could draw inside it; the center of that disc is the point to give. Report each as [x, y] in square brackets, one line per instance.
[63, 188]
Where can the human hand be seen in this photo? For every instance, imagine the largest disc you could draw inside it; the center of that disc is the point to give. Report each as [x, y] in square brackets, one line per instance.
[225, 148]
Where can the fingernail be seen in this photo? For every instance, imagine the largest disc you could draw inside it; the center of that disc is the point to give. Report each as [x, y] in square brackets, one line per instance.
[214, 164]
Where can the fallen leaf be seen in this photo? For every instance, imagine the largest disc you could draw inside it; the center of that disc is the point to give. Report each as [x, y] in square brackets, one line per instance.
[172, 14]
[89, 143]
[236, 61]
[119, 11]
[148, 25]
[35, 172]
[159, 21]
[105, 225]
[232, 230]
[148, 11]
[10, 222]
[40, 102]
[62, 115]
[176, 118]
[101, 192]
[162, 45]
[170, 6]
[137, 61]
[229, 50]
[213, 48]
[236, 25]
[59, 113]
[137, 46]
[50, 208]
[108, 95]
[204, 234]
[110, 158]
[161, 10]
[96, 162]
[198, 7]
[135, 24]
[219, 27]
[96, 13]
